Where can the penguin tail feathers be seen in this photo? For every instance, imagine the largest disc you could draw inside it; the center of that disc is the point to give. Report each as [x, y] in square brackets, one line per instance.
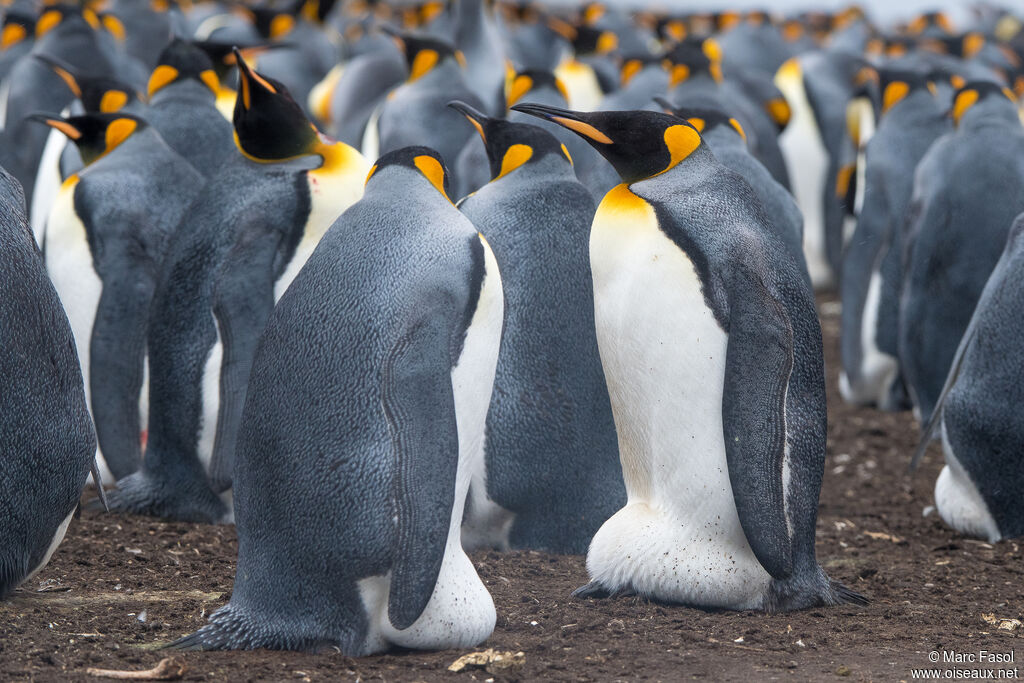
[841, 595]
[808, 590]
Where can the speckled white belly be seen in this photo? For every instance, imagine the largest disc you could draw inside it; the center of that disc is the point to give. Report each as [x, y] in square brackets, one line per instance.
[679, 537]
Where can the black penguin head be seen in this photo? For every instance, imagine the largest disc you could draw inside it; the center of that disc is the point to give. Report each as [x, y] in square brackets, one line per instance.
[52, 16]
[593, 41]
[974, 92]
[17, 27]
[931, 24]
[702, 118]
[424, 53]
[691, 57]
[423, 160]
[639, 144]
[269, 124]
[273, 23]
[889, 86]
[94, 134]
[524, 82]
[181, 60]
[510, 145]
[421, 14]
[671, 29]
[97, 93]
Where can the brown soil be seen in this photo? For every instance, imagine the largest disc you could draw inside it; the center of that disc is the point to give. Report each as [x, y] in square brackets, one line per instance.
[928, 587]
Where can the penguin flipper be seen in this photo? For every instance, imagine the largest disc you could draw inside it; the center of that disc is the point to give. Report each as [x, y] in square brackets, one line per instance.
[117, 355]
[243, 299]
[419, 403]
[759, 360]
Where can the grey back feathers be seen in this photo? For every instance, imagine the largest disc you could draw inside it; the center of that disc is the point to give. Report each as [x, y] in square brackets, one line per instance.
[46, 435]
[552, 456]
[364, 486]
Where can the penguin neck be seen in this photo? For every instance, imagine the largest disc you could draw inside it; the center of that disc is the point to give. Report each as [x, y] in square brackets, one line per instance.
[722, 137]
[338, 157]
[186, 89]
[549, 167]
[987, 114]
[138, 138]
[445, 72]
[651, 79]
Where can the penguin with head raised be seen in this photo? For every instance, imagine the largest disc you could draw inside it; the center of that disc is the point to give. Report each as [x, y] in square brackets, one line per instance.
[551, 473]
[183, 91]
[365, 417]
[978, 491]
[712, 353]
[956, 232]
[727, 140]
[237, 249]
[417, 112]
[48, 443]
[871, 279]
[106, 236]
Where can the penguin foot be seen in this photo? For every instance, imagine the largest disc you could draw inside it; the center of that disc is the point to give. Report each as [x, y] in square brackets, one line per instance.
[596, 590]
[140, 495]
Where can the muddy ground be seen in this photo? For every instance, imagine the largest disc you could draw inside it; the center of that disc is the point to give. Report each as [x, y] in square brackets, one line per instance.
[121, 586]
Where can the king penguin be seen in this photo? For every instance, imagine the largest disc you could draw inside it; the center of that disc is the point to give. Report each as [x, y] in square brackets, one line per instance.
[366, 412]
[48, 443]
[979, 489]
[106, 236]
[183, 91]
[712, 353]
[956, 232]
[552, 475]
[727, 140]
[871, 278]
[416, 112]
[238, 248]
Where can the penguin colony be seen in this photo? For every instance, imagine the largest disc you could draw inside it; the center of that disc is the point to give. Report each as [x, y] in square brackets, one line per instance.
[384, 283]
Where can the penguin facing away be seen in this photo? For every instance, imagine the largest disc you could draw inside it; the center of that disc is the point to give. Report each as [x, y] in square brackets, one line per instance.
[416, 112]
[183, 90]
[727, 140]
[978, 491]
[712, 353]
[955, 232]
[393, 325]
[551, 474]
[47, 439]
[106, 236]
[235, 252]
[871, 278]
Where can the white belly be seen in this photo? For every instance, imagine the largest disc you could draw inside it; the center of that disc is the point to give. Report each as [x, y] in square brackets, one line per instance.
[958, 501]
[679, 537]
[69, 265]
[48, 182]
[331, 193]
[57, 538]
[370, 145]
[581, 83]
[807, 161]
[210, 393]
[460, 612]
[878, 369]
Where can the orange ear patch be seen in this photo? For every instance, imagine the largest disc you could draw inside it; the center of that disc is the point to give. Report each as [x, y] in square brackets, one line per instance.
[118, 131]
[964, 101]
[422, 63]
[162, 76]
[681, 142]
[520, 86]
[584, 129]
[894, 92]
[515, 156]
[113, 100]
[433, 171]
